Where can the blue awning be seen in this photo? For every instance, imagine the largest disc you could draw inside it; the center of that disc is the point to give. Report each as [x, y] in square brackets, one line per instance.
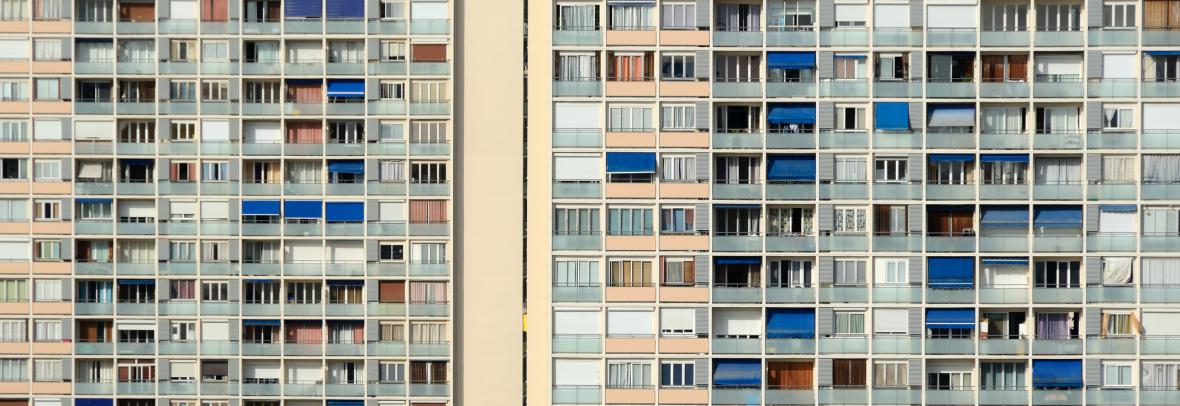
[305, 82]
[1003, 158]
[630, 162]
[790, 167]
[349, 282]
[302, 8]
[303, 209]
[1057, 373]
[1118, 208]
[1005, 261]
[94, 402]
[137, 281]
[1058, 216]
[790, 60]
[346, 88]
[737, 260]
[737, 206]
[345, 9]
[847, 56]
[951, 272]
[951, 115]
[261, 280]
[344, 212]
[260, 207]
[951, 157]
[1161, 53]
[355, 167]
[260, 322]
[92, 200]
[791, 114]
[1004, 216]
[950, 318]
[892, 116]
[137, 162]
[737, 372]
[790, 323]
[342, 402]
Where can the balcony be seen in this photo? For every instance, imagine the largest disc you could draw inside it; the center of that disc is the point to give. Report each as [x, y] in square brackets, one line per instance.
[941, 295]
[94, 348]
[577, 344]
[790, 36]
[1070, 294]
[737, 293]
[736, 89]
[1098, 395]
[950, 37]
[777, 395]
[1107, 36]
[1161, 191]
[1160, 345]
[897, 344]
[737, 191]
[989, 38]
[1051, 346]
[899, 37]
[989, 140]
[843, 190]
[587, 87]
[1058, 38]
[790, 295]
[737, 243]
[897, 294]
[963, 396]
[1058, 191]
[1111, 140]
[844, 88]
[736, 37]
[790, 191]
[897, 139]
[949, 243]
[790, 243]
[1158, 396]
[843, 396]
[256, 67]
[1056, 397]
[1058, 140]
[898, 88]
[94, 388]
[1058, 87]
[842, 242]
[775, 88]
[1006, 90]
[896, 396]
[840, 37]
[1109, 242]
[1106, 87]
[1057, 243]
[94, 27]
[1007, 396]
[1003, 243]
[738, 140]
[178, 348]
[723, 345]
[1003, 346]
[1110, 345]
[386, 348]
[843, 345]
[941, 191]
[577, 36]
[177, 388]
[1160, 293]
[946, 346]
[781, 346]
[944, 138]
[897, 243]
[950, 88]
[569, 394]
[94, 107]
[841, 139]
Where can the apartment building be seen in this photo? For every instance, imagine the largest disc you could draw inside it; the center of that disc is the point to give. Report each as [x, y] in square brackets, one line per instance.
[847, 202]
[248, 203]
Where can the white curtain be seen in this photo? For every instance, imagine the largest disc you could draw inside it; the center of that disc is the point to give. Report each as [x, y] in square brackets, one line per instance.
[1118, 168]
[1060, 119]
[577, 67]
[1160, 220]
[95, 51]
[631, 16]
[137, 51]
[850, 169]
[1161, 168]
[1160, 375]
[1116, 271]
[999, 120]
[303, 171]
[1000, 276]
[1161, 271]
[580, 17]
[1058, 171]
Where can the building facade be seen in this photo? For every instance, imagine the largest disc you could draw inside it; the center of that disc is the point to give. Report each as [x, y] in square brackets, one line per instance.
[236, 202]
[784, 202]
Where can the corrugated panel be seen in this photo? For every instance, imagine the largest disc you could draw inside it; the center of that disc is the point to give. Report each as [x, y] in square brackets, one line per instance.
[917, 65]
[1094, 19]
[917, 114]
[1093, 270]
[703, 7]
[914, 166]
[701, 270]
[1094, 64]
[823, 372]
[916, 9]
[917, 218]
[826, 270]
[1094, 166]
[701, 111]
[917, 274]
[825, 318]
[701, 372]
[825, 115]
[827, 13]
[915, 372]
[704, 167]
[701, 217]
[826, 218]
[826, 167]
[1092, 217]
[915, 321]
[1093, 373]
[702, 321]
[1094, 115]
[824, 65]
[701, 65]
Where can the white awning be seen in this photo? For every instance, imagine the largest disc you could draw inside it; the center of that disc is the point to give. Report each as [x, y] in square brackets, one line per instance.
[952, 117]
[90, 170]
[135, 325]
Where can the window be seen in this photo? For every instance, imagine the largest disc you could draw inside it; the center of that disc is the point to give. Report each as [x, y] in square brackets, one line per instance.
[949, 380]
[1057, 274]
[182, 331]
[850, 219]
[47, 88]
[630, 273]
[1117, 118]
[628, 375]
[392, 10]
[391, 252]
[1117, 374]
[14, 290]
[47, 330]
[850, 118]
[182, 50]
[1002, 376]
[624, 16]
[678, 272]
[214, 291]
[214, 251]
[678, 117]
[849, 272]
[629, 221]
[182, 90]
[390, 90]
[13, 331]
[1118, 15]
[214, 90]
[575, 273]
[391, 372]
[47, 250]
[791, 273]
[678, 15]
[629, 119]
[890, 375]
[892, 271]
[795, 14]
[790, 221]
[677, 220]
[1004, 17]
[576, 221]
[46, 210]
[677, 374]
[13, 370]
[891, 170]
[680, 169]
[738, 170]
[737, 68]
[47, 370]
[48, 9]
[214, 51]
[949, 172]
[1058, 17]
[849, 323]
[891, 67]
[1117, 324]
[677, 66]
[1004, 172]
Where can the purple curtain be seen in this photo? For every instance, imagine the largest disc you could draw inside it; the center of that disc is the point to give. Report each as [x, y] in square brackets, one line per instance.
[1052, 326]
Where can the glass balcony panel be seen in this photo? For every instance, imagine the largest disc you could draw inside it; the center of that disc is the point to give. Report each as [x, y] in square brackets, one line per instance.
[950, 37]
[945, 346]
[843, 345]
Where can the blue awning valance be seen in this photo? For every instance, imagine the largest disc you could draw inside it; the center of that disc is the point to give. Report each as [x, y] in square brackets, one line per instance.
[630, 162]
[94, 402]
[790, 60]
[790, 323]
[950, 318]
[952, 115]
[343, 402]
[303, 209]
[260, 322]
[791, 114]
[260, 207]
[345, 9]
[737, 372]
[137, 281]
[344, 212]
[1057, 373]
[737, 260]
[849, 56]
[1005, 261]
[346, 282]
[1003, 158]
[1004, 216]
[346, 88]
[137, 162]
[951, 272]
[737, 206]
[1058, 216]
[791, 167]
[1118, 208]
[1161, 53]
[93, 200]
[892, 116]
[354, 167]
[951, 157]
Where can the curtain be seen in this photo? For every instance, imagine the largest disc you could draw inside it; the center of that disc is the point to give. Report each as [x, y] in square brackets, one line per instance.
[850, 169]
[581, 17]
[95, 51]
[1161, 14]
[304, 93]
[1161, 271]
[1116, 271]
[1161, 168]
[1058, 171]
[1053, 326]
[1118, 168]
[304, 133]
[630, 16]
[1001, 120]
[304, 333]
[575, 67]
[428, 211]
[214, 10]
[428, 292]
[391, 171]
[1159, 375]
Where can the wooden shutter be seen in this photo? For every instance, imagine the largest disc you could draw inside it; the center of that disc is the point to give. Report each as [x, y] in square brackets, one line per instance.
[428, 52]
[391, 292]
[428, 211]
